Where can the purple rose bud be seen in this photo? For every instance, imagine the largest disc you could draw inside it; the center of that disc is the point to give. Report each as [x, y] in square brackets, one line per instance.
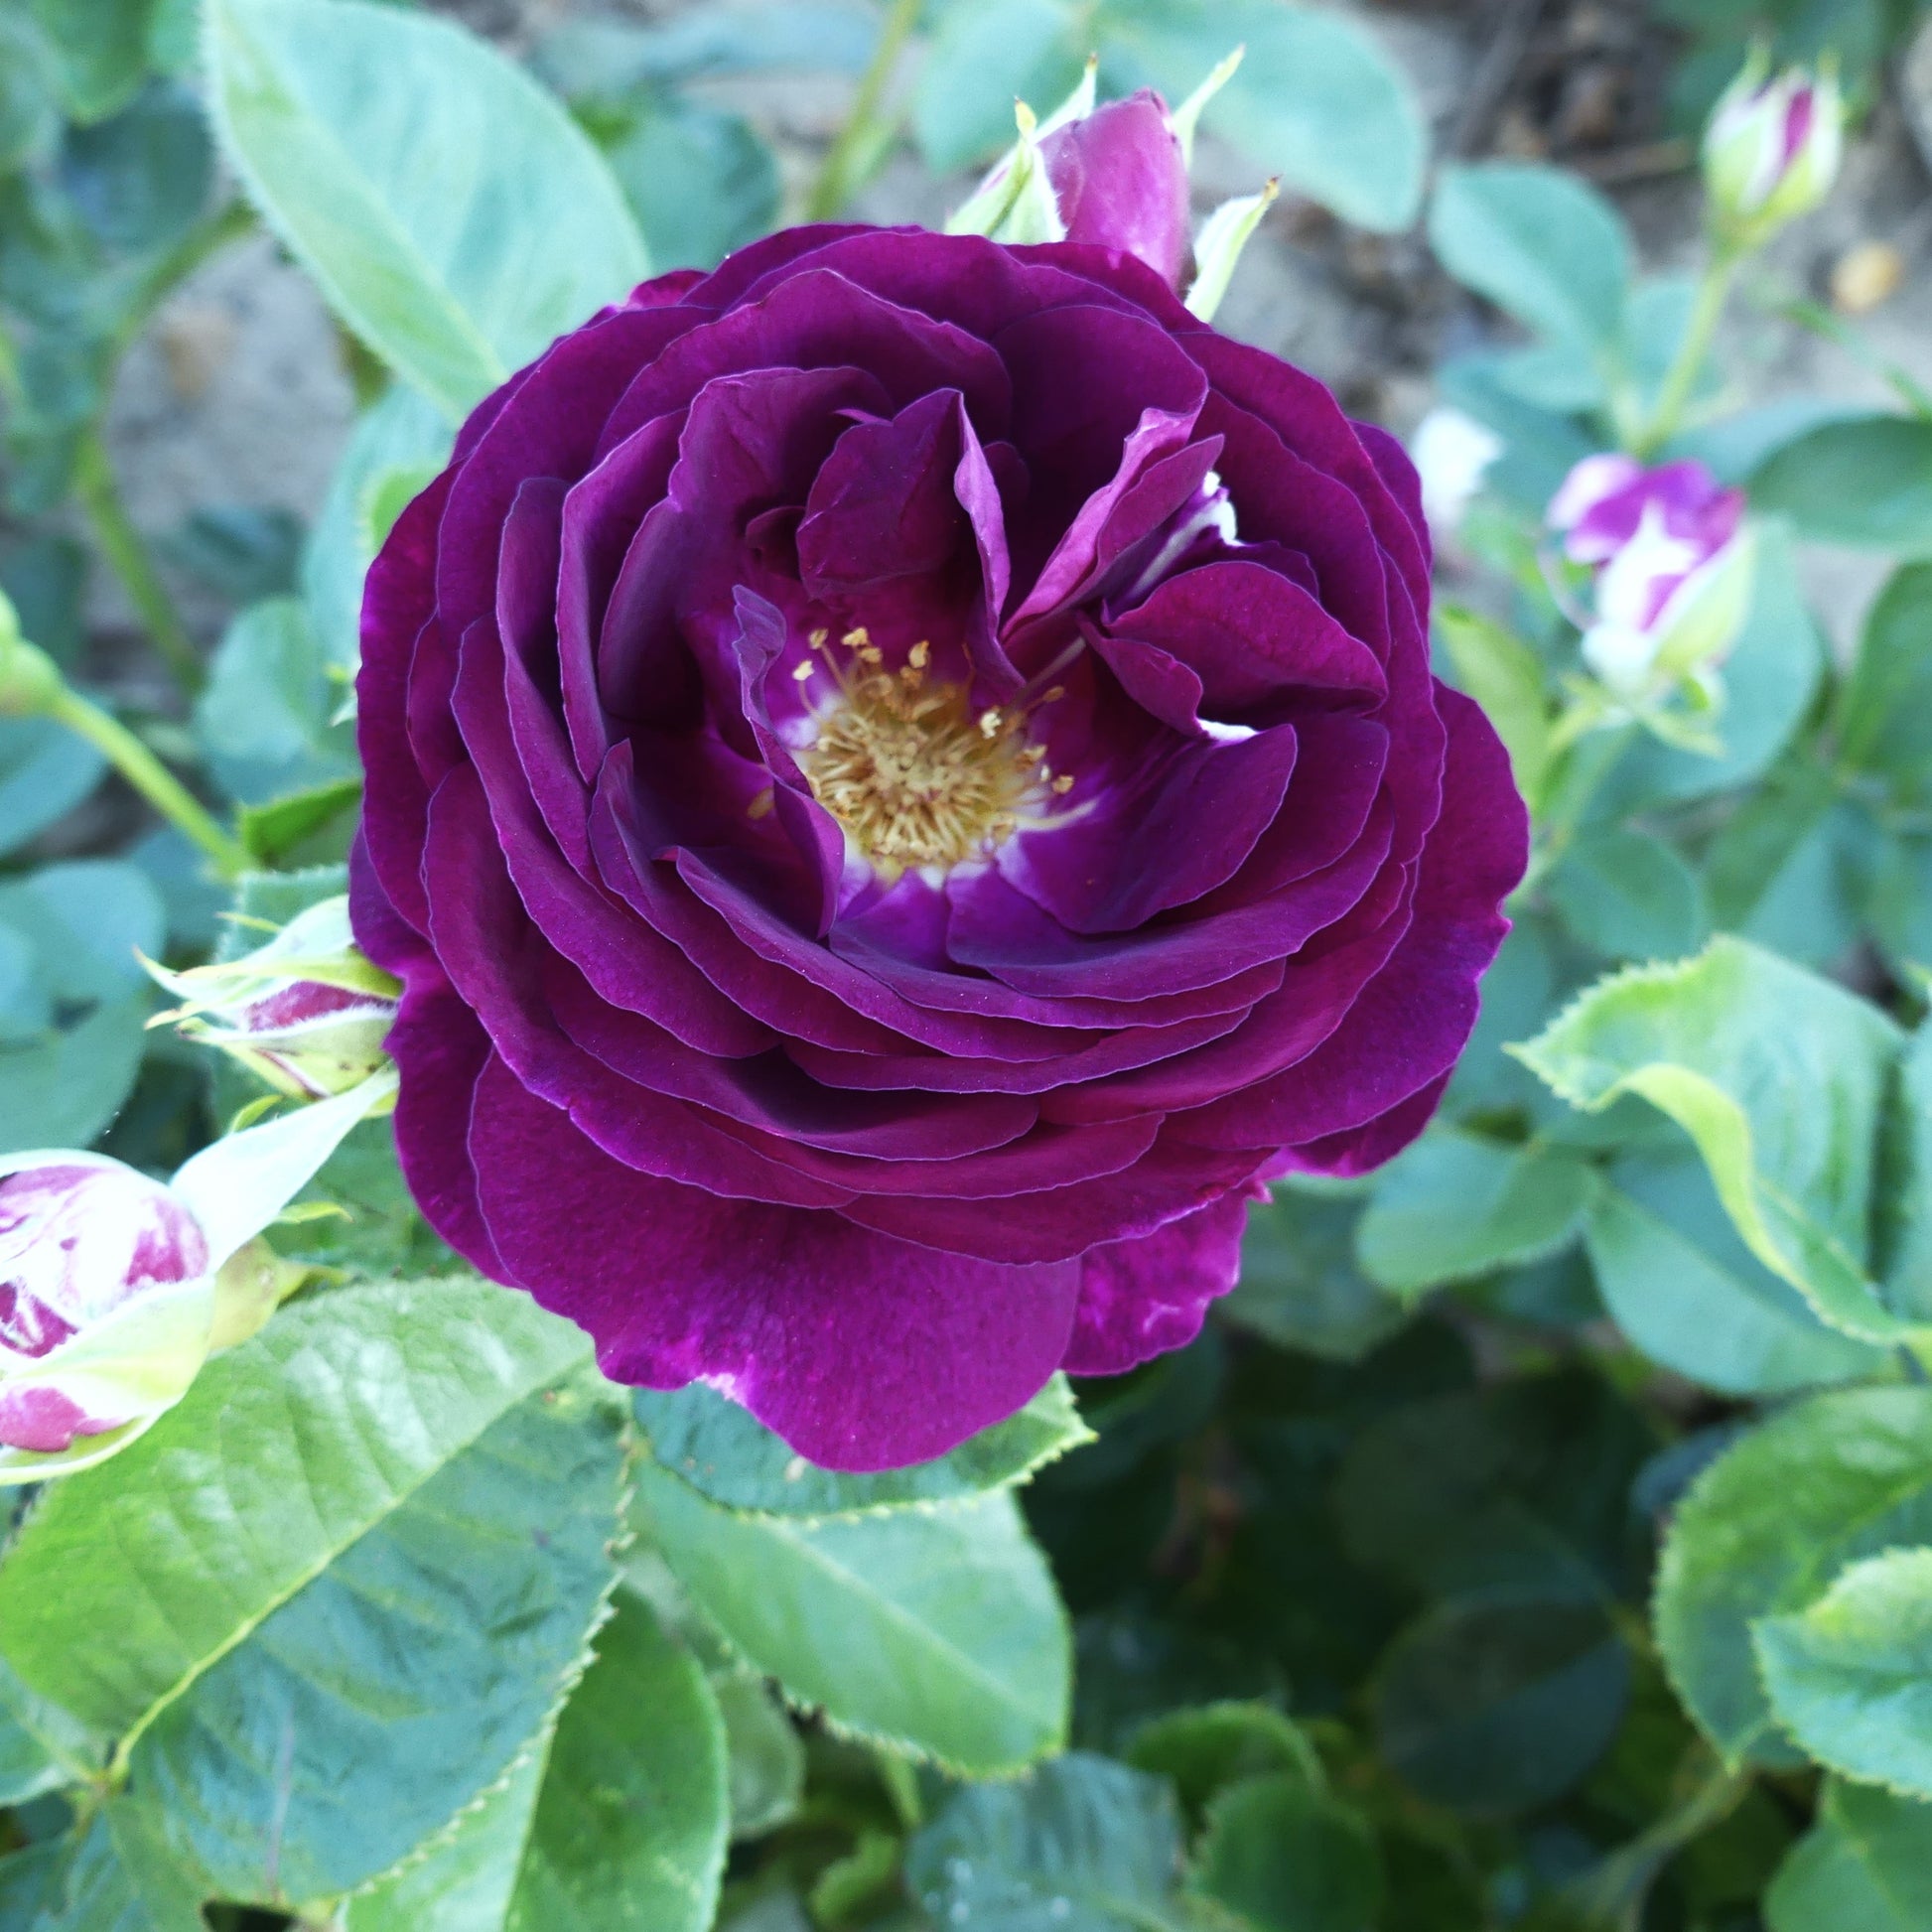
[1771, 151]
[1673, 566]
[305, 1013]
[90, 1248]
[1120, 181]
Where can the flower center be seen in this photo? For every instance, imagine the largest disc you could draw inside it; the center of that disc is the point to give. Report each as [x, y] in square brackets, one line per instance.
[912, 773]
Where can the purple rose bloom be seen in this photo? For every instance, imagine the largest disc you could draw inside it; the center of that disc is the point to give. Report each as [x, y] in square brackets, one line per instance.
[903, 779]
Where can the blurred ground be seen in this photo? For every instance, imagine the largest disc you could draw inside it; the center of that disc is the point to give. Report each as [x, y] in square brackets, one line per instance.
[239, 393]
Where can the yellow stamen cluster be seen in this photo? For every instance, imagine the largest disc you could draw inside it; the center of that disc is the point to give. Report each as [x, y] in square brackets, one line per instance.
[911, 773]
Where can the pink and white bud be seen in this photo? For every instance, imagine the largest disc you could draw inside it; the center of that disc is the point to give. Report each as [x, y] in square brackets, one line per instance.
[115, 1287]
[1673, 565]
[307, 1013]
[1772, 150]
[105, 1298]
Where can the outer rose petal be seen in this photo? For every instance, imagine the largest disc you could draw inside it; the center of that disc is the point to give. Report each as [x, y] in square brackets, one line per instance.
[863, 1351]
[1140, 1298]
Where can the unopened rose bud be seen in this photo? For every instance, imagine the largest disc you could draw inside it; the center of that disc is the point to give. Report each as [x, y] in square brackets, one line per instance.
[307, 1013]
[105, 1300]
[114, 1286]
[1674, 564]
[1113, 177]
[1771, 151]
[1120, 181]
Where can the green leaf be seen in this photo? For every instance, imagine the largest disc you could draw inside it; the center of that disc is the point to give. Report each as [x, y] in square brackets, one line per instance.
[725, 1453]
[140, 179]
[1525, 1485]
[1454, 1206]
[399, 1683]
[1079, 1844]
[935, 1632]
[45, 772]
[102, 51]
[73, 998]
[1686, 1291]
[985, 54]
[454, 215]
[29, 113]
[631, 1820]
[1724, 1043]
[1628, 895]
[1765, 1528]
[402, 435]
[1885, 709]
[767, 1758]
[1315, 101]
[244, 1494]
[1495, 1705]
[1300, 1286]
[1505, 677]
[116, 1874]
[282, 832]
[614, 1822]
[1785, 869]
[26, 1769]
[596, 57]
[1866, 481]
[1850, 1675]
[1287, 1859]
[1209, 1748]
[1864, 1866]
[700, 182]
[1541, 246]
[264, 719]
[464, 1880]
[1904, 1231]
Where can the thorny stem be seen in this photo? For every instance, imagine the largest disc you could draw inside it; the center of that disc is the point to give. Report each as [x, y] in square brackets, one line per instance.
[863, 130]
[148, 775]
[127, 556]
[1713, 291]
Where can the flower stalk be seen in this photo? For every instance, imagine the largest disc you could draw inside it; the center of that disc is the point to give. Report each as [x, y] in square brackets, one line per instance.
[866, 132]
[31, 686]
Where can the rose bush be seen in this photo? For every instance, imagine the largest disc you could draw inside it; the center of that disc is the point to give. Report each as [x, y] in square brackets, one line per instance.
[903, 779]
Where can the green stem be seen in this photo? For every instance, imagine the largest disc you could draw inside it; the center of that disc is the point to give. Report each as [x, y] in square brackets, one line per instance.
[120, 543]
[227, 224]
[1612, 1896]
[1713, 291]
[863, 131]
[148, 775]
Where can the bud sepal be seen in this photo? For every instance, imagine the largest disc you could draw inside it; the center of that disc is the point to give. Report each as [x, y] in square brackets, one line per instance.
[307, 1013]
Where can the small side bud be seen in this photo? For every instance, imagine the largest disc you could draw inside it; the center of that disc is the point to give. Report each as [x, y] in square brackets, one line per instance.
[106, 1301]
[30, 680]
[114, 1288]
[1772, 150]
[307, 1013]
[1673, 568]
